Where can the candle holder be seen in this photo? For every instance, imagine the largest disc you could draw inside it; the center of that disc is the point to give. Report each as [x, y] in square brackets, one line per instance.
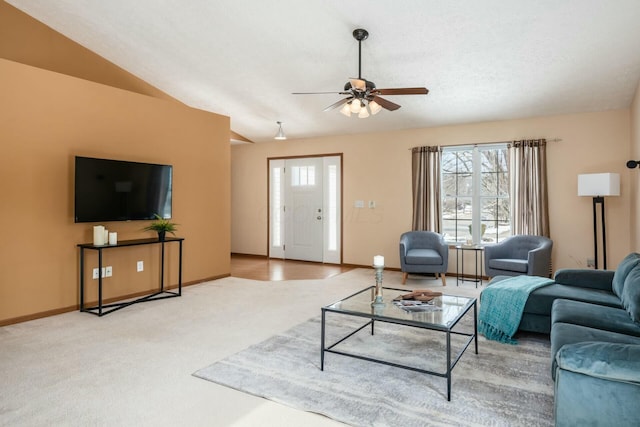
[378, 301]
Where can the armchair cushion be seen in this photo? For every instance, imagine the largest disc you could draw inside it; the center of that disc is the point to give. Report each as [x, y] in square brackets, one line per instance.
[519, 265]
[423, 256]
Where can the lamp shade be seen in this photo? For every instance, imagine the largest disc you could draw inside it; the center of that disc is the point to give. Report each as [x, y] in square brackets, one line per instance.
[280, 135]
[599, 184]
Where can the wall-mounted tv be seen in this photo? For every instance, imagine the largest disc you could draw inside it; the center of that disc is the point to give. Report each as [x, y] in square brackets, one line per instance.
[116, 190]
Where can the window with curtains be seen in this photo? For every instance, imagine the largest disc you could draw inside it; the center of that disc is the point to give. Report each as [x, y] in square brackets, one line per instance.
[475, 194]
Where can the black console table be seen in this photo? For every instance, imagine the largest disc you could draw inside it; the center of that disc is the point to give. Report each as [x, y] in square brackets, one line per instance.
[102, 309]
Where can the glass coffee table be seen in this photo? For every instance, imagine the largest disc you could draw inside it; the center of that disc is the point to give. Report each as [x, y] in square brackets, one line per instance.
[447, 312]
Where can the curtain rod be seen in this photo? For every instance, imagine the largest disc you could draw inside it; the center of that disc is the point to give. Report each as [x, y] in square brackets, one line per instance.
[489, 143]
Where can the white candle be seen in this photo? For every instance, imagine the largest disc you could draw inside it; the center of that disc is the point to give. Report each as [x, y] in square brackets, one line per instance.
[98, 235]
[106, 237]
[378, 261]
[113, 238]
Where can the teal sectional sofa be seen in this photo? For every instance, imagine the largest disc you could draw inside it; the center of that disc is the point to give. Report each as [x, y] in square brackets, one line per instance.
[593, 318]
[595, 350]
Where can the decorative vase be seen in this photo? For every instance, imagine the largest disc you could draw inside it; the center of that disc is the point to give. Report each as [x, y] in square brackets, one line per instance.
[161, 235]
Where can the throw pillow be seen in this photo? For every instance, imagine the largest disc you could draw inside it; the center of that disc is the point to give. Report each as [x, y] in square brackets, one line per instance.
[631, 294]
[625, 266]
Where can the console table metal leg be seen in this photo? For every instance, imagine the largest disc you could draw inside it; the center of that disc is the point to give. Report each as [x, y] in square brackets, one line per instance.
[162, 268]
[180, 270]
[81, 279]
[99, 282]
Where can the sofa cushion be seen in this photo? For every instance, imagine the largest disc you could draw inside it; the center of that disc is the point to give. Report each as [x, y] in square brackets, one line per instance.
[566, 333]
[594, 316]
[624, 268]
[631, 294]
[423, 256]
[616, 362]
[519, 265]
[541, 300]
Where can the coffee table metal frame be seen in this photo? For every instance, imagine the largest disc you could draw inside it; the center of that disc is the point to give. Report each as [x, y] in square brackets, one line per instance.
[447, 329]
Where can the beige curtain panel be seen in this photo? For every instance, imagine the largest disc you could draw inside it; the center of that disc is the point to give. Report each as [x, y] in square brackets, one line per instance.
[425, 166]
[529, 200]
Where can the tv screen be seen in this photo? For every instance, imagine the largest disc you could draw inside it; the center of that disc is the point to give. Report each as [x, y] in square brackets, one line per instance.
[115, 190]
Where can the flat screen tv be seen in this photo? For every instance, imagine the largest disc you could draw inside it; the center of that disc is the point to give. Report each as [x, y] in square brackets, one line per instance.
[116, 190]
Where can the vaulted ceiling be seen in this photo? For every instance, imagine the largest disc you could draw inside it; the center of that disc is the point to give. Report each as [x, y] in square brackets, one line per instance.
[481, 59]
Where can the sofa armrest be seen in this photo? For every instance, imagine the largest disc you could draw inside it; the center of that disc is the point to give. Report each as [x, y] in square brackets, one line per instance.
[595, 279]
[597, 383]
[604, 360]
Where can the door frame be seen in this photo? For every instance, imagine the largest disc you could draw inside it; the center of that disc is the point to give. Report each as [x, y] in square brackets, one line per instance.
[341, 199]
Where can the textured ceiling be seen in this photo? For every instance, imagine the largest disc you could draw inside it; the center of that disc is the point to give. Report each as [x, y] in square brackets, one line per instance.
[481, 59]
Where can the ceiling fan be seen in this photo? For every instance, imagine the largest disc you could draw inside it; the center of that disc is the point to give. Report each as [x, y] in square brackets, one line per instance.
[362, 94]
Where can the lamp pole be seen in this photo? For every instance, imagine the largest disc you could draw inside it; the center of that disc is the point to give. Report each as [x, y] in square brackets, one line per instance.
[599, 200]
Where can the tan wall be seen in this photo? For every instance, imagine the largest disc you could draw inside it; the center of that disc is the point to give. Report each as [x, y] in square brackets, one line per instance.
[46, 119]
[378, 167]
[634, 174]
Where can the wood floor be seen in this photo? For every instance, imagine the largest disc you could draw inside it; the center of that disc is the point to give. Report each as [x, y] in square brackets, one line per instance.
[262, 268]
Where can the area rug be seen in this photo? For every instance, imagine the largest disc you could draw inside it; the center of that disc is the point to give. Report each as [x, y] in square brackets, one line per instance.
[503, 385]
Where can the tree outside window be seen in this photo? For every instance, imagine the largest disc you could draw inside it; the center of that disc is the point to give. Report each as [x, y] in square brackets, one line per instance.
[475, 194]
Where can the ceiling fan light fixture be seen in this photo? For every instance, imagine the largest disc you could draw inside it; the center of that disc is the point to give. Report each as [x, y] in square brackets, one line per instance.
[355, 106]
[375, 107]
[280, 135]
[346, 110]
[364, 113]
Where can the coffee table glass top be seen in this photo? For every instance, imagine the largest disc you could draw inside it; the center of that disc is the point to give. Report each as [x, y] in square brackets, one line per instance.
[443, 313]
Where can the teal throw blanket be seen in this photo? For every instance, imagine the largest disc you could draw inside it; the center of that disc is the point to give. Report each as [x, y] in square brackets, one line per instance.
[501, 306]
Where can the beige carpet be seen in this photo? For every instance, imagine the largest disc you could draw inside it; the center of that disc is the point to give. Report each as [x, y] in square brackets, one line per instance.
[134, 366]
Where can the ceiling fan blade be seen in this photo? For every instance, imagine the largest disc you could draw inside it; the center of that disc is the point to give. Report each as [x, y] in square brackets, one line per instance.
[385, 104]
[320, 93]
[338, 104]
[403, 91]
[358, 84]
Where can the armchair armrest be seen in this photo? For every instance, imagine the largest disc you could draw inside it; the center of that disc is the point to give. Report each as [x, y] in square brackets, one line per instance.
[539, 261]
[584, 278]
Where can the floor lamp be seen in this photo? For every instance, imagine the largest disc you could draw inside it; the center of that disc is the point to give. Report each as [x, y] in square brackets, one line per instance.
[599, 185]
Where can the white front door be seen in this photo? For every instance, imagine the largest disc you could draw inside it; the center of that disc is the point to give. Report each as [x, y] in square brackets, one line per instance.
[305, 209]
[303, 213]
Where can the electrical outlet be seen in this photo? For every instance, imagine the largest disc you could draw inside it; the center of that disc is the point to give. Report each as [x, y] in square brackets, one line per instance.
[108, 271]
[372, 204]
[95, 273]
[591, 263]
[140, 266]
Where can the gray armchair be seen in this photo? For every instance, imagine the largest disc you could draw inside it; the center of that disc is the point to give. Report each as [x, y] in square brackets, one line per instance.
[423, 252]
[519, 255]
